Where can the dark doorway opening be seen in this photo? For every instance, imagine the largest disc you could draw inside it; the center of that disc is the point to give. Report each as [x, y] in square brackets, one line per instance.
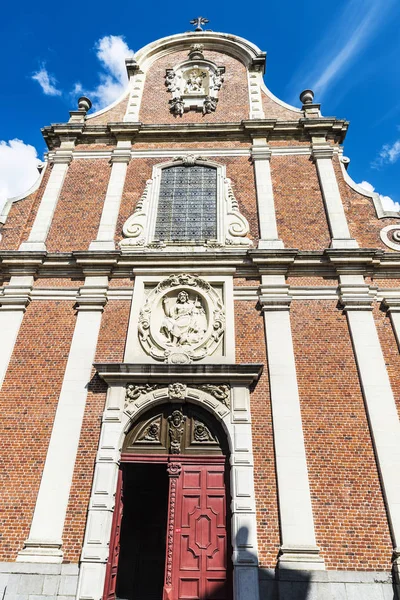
[143, 532]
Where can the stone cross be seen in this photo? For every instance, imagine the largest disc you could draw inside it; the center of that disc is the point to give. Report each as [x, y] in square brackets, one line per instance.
[199, 22]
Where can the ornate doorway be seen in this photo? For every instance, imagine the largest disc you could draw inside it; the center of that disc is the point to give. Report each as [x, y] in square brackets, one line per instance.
[169, 537]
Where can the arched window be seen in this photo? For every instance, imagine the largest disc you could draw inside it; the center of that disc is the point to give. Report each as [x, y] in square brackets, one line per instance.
[187, 204]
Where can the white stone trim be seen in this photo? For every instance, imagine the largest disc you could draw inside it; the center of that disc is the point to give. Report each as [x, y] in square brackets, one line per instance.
[336, 216]
[268, 93]
[381, 213]
[254, 82]
[261, 155]
[298, 548]
[45, 536]
[41, 226]
[224, 353]
[116, 422]
[378, 395]
[109, 216]
[385, 238]
[10, 201]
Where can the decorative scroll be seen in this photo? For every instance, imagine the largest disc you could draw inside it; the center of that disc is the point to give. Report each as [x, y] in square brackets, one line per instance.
[133, 392]
[220, 392]
[237, 225]
[134, 228]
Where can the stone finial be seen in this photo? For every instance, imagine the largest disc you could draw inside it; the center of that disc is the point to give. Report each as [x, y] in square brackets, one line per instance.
[346, 161]
[40, 167]
[307, 97]
[84, 104]
[196, 51]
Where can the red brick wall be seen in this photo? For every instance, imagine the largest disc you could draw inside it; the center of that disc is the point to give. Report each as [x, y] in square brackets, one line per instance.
[21, 216]
[390, 350]
[363, 223]
[110, 347]
[273, 110]
[77, 216]
[250, 348]
[28, 401]
[300, 212]
[233, 98]
[114, 114]
[349, 513]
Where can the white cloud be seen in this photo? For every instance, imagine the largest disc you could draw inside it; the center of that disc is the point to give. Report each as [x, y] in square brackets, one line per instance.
[342, 42]
[387, 202]
[18, 168]
[47, 82]
[111, 50]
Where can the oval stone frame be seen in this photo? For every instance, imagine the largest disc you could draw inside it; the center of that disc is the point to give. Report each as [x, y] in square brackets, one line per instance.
[151, 316]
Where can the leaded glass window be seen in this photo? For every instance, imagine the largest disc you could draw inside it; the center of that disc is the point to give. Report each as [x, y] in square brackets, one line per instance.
[187, 204]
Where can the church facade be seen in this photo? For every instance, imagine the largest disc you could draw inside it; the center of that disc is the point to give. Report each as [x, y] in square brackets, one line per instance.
[199, 357]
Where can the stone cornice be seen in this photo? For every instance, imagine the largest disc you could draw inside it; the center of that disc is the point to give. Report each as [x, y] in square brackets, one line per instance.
[302, 129]
[243, 374]
[250, 263]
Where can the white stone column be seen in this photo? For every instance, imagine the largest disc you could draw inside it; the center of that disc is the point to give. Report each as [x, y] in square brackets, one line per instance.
[41, 226]
[108, 223]
[378, 396]
[341, 238]
[13, 304]
[261, 155]
[45, 536]
[298, 549]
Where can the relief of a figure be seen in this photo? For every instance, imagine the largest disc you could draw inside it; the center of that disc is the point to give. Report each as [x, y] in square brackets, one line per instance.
[185, 320]
[194, 82]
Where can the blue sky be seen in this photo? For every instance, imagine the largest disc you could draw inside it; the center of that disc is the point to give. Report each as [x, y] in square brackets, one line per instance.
[348, 51]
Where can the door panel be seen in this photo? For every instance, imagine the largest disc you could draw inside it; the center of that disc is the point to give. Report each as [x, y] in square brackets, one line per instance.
[200, 545]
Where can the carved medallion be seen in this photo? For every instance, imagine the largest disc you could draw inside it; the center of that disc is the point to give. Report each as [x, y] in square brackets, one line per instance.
[201, 433]
[183, 320]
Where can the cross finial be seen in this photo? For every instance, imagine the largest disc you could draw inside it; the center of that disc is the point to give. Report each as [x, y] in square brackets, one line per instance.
[199, 22]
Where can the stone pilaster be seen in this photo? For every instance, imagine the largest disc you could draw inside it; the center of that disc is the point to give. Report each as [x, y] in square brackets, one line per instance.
[340, 234]
[41, 226]
[383, 418]
[13, 303]
[261, 156]
[298, 550]
[45, 537]
[119, 164]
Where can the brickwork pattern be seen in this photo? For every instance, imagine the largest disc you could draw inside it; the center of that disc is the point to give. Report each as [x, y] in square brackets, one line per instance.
[349, 512]
[274, 110]
[21, 216]
[363, 223]
[113, 115]
[233, 98]
[28, 401]
[300, 212]
[110, 348]
[78, 212]
[250, 348]
[390, 350]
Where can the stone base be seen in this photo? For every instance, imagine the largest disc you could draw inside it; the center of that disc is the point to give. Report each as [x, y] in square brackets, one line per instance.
[32, 247]
[100, 245]
[300, 558]
[30, 581]
[326, 585]
[343, 243]
[270, 245]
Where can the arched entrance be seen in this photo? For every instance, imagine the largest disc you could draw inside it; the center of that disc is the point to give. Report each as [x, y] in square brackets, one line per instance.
[170, 539]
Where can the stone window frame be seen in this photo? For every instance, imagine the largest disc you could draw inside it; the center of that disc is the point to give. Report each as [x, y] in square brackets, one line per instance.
[232, 226]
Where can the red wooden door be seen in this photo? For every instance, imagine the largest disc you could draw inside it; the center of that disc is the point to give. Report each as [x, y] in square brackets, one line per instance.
[110, 584]
[199, 565]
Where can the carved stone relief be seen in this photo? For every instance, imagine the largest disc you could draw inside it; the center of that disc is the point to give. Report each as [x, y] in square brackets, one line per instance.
[237, 226]
[178, 391]
[176, 429]
[390, 236]
[182, 320]
[194, 84]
